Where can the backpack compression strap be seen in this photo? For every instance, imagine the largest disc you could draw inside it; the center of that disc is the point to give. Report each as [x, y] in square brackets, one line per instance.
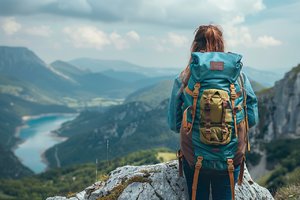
[207, 115]
[245, 109]
[230, 171]
[233, 97]
[196, 176]
[179, 156]
[194, 94]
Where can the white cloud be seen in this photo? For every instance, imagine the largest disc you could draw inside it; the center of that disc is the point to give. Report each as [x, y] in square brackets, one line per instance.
[237, 35]
[44, 31]
[177, 40]
[124, 42]
[238, 6]
[238, 19]
[118, 41]
[258, 5]
[10, 26]
[92, 37]
[241, 36]
[266, 41]
[87, 37]
[133, 35]
[169, 43]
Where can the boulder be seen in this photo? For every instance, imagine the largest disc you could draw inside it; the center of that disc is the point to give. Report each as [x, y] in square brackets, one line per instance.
[159, 181]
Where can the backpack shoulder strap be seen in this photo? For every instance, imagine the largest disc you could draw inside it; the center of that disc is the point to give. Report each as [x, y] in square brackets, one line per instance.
[241, 81]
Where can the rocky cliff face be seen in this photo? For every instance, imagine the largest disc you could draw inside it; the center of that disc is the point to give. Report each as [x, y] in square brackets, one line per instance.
[153, 182]
[279, 109]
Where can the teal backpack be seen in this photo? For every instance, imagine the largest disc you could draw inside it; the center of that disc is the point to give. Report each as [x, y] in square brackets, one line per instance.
[214, 123]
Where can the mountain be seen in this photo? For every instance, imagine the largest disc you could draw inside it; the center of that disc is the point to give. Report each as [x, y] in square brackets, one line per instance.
[124, 127]
[277, 136]
[152, 95]
[12, 109]
[22, 64]
[124, 75]
[25, 90]
[10, 166]
[115, 132]
[67, 69]
[282, 162]
[256, 86]
[80, 84]
[157, 92]
[91, 83]
[109, 83]
[24, 74]
[264, 77]
[98, 65]
[9, 121]
[280, 116]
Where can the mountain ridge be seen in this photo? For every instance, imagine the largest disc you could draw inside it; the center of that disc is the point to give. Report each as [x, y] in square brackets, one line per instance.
[127, 128]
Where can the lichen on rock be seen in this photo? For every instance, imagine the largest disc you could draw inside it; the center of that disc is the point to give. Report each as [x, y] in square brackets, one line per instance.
[155, 182]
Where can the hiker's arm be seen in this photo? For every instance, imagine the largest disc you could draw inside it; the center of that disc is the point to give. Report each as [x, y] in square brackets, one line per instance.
[251, 103]
[175, 110]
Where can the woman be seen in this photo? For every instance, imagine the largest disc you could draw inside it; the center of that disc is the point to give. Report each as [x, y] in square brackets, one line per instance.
[241, 98]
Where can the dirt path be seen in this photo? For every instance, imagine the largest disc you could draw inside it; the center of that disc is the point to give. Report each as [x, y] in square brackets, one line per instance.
[56, 157]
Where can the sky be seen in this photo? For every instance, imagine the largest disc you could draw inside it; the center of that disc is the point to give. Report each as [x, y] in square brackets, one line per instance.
[156, 33]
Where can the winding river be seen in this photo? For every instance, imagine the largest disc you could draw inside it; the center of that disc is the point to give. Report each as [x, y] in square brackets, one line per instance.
[37, 136]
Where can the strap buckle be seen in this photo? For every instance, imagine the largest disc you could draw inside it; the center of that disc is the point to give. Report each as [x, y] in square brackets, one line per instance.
[196, 89]
[233, 94]
[230, 165]
[179, 154]
[199, 162]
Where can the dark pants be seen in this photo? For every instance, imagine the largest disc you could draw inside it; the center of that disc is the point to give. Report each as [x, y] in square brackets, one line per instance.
[218, 181]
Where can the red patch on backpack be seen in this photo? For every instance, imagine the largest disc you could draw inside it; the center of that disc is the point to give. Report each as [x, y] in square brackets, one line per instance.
[218, 66]
[215, 150]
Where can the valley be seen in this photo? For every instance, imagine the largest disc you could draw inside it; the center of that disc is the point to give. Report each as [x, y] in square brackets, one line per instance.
[115, 112]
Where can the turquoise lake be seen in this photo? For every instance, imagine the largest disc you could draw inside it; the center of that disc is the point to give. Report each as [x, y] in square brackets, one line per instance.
[37, 137]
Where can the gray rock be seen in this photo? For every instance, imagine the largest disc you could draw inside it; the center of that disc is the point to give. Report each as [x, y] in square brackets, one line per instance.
[160, 181]
[281, 118]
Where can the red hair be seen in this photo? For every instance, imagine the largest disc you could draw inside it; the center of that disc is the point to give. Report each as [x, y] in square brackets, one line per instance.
[208, 38]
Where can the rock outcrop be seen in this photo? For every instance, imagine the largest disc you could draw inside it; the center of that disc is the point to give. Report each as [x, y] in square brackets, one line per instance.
[280, 109]
[160, 181]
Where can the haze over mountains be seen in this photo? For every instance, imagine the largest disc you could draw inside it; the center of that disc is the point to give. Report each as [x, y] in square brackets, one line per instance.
[24, 74]
[97, 65]
[27, 76]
